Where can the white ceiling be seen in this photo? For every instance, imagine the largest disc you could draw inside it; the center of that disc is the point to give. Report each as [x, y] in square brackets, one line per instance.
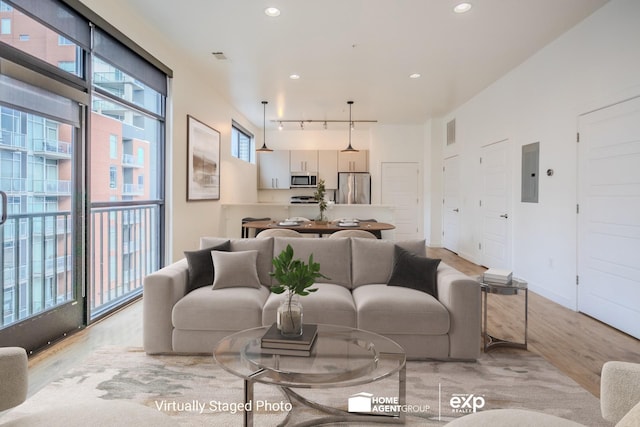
[360, 50]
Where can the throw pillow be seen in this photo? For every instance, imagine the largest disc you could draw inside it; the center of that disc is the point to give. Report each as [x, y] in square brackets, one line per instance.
[235, 269]
[415, 272]
[200, 266]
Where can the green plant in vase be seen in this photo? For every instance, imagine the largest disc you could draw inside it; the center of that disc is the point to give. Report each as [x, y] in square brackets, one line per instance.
[322, 203]
[295, 277]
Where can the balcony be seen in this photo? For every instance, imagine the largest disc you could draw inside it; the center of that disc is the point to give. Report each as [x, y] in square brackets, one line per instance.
[13, 186]
[52, 149]
[13, 141]
[133, 189]
[52, 187]
[131, 161]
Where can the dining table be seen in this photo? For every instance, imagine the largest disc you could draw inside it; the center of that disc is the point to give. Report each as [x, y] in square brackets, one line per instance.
[319, 228]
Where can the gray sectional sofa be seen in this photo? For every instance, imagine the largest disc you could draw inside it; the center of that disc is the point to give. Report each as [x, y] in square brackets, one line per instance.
[355, 294]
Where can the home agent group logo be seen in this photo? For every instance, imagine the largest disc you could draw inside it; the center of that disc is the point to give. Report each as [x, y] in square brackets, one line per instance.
[364, 402]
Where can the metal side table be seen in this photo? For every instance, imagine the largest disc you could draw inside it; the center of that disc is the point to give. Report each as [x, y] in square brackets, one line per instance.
[512, 288]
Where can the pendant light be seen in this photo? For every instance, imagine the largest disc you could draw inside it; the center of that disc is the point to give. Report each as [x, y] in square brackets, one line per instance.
[350, 149]
[264, 148]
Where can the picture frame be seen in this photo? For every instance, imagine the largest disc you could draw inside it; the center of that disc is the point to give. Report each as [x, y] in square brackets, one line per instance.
[203, 157]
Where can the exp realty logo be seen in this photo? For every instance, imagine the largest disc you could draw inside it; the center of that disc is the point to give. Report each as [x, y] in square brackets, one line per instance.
[466, 403]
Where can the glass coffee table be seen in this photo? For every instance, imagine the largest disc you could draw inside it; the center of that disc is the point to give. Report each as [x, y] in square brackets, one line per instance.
[340, 357]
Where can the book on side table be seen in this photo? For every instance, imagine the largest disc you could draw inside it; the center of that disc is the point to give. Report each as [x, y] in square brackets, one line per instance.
[274, 343]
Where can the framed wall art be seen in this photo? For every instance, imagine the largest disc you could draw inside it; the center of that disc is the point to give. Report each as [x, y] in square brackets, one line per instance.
[203, 168]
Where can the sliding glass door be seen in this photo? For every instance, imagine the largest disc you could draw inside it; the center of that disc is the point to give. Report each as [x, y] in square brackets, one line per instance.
[40, 295]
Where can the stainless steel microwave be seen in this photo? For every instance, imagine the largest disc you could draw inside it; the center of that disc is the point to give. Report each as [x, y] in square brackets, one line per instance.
[304, 180]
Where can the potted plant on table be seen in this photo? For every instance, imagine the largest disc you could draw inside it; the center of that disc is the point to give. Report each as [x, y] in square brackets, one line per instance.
[295, 277]
[322, 203]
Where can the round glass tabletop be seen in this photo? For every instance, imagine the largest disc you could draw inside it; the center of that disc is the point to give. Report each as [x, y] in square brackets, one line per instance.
[341, 356]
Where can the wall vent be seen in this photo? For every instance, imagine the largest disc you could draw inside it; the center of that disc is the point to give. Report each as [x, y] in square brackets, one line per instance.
[451, 132]
[219, 55]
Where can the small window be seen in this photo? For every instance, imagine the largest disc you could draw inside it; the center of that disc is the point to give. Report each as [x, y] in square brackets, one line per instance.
[113, 177]
[24, 37]
[5, 7]
[113, 146]
[68, 66]
[5, 26]
[242, 143]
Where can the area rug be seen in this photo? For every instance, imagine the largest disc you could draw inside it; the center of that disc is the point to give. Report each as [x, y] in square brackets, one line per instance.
[196, 392]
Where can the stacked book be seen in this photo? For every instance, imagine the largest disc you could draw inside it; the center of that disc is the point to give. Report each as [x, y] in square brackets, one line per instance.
[273, 342]
[497, 276]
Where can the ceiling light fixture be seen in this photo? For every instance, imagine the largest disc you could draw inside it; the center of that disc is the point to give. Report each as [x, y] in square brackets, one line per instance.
[414, 76]
[294, 76]
[272, 12]
[264, 148]
[280, 127]
[349, 148]
[462, 8]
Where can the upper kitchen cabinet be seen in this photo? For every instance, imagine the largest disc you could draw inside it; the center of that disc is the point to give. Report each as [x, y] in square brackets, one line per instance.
[353, 161]
[328, 168]
[273, 170]
[304, 161]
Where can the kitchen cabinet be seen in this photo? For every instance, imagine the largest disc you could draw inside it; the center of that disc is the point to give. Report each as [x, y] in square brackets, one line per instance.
[328, 168]
[353, 161]
[303, 161]
[273, 170]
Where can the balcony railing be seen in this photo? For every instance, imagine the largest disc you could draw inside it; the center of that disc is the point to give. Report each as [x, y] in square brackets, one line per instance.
[124, 248]
[129, 160]
[48, 187]
[133, 189]
[13, 141]
[52, 149]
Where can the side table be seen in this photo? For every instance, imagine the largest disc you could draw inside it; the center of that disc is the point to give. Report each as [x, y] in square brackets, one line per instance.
[512, 288]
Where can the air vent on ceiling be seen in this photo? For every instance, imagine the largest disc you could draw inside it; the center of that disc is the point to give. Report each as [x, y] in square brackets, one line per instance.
[451, 132]
[219, 55]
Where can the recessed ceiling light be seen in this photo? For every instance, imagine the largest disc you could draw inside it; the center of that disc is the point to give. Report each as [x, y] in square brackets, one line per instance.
[272, 12]
[294, 76]
[414, 76]
[462, 8]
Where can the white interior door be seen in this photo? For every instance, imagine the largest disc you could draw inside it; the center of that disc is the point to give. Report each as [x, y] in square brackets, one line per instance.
[400, 189]
[609, 215]
[451, 204]
[495, 206]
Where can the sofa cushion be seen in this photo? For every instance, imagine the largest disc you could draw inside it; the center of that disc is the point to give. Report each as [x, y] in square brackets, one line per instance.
[373, 259]
[263, 246]
[201, 272]
[333, 255]
[235, 269]
[394, 310]
[230, 309]
[414, 272]
[330, 304]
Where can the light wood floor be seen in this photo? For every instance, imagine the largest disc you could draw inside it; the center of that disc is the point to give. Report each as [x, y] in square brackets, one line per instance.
[576, 344]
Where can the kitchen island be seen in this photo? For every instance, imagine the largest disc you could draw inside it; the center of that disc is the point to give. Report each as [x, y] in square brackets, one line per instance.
[233, 213]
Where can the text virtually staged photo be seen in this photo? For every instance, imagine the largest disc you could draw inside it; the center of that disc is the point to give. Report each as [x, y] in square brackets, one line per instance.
[277, 213]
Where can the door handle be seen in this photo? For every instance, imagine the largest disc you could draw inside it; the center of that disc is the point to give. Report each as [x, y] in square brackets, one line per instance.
[456, 210]
[3, 219]
[504, 216]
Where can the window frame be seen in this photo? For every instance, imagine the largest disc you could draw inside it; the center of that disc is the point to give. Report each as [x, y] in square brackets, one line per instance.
[236, 149]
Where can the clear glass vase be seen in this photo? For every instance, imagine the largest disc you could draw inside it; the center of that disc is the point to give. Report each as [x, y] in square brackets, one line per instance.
[289, 316]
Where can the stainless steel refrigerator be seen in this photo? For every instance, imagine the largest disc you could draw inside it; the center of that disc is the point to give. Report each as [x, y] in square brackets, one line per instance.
[354, 188]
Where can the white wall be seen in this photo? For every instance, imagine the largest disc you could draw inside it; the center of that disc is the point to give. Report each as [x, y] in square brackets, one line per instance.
[595, 63]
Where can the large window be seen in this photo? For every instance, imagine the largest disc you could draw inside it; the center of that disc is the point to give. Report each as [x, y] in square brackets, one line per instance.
[56, 202]
[242, 143]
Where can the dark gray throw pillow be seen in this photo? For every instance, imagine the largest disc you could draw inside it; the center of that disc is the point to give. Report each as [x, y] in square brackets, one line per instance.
[201, 272]
[415, 272]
